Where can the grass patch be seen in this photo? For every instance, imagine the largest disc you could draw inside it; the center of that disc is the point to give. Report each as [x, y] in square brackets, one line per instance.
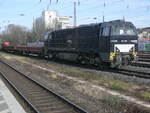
[96, 78]
[118, 87]
[54, 76]
[73, 71]
[146, 96]
[112, 101]
[114, 81]
[86, 75]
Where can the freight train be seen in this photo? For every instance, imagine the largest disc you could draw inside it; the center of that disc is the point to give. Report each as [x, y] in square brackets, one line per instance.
[113, 43]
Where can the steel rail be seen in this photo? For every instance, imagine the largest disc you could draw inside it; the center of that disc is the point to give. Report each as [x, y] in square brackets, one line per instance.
[141, 64]
[139, 74]
[19, 92]
[78, 108]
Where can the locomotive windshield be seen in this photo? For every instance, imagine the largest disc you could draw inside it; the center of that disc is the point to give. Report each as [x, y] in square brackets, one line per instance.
[122, 30]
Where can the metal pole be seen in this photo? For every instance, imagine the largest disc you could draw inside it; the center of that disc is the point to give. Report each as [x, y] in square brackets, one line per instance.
[33, 23]
[75, 14]
[123, 18]
[103, 17]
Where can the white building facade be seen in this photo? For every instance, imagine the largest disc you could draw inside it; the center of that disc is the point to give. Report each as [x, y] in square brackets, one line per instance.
[48, 18]
[51, 20]
[64, 22]
[144, 33]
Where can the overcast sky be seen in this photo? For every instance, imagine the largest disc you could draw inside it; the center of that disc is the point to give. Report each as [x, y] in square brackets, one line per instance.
[136, 11]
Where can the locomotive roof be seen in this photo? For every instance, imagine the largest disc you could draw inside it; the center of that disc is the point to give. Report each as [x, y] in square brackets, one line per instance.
[117, 22]
[114, 22]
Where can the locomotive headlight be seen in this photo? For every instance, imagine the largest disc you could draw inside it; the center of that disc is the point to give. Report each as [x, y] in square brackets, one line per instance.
[131, 50]
[117, 50]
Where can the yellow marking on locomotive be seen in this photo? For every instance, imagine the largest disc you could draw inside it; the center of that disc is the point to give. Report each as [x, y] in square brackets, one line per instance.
[134, 53]
[112, 55]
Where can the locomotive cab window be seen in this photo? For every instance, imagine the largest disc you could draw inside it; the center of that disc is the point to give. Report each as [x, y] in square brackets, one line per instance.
[123, 30]
[105, 31]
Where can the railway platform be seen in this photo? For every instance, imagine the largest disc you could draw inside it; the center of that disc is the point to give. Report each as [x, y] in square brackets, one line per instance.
[8, 103]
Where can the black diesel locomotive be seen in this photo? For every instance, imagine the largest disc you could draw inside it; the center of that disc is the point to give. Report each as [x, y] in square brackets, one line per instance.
[113, 43]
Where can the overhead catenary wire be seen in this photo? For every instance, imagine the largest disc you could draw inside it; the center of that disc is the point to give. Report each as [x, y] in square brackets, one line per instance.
[125, 10]
[96, 11]
[128, 8]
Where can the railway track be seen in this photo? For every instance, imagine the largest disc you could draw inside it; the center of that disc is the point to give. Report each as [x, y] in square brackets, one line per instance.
[39, 98]
[143, 60]
[141, 64]
[144, 57]
[134, 72]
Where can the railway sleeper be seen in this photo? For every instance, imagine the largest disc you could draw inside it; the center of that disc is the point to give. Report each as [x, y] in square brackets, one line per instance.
[36, 99]
[35, 93]
[62, 111]
[56, 109]
[53, 102]
[43, 96]
[50, 105]
[40, 96]
[32, 89]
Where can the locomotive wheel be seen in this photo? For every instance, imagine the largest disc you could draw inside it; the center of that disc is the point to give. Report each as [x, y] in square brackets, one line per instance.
[50, 56]
[83, 60]
[97, 61]
[80, 59]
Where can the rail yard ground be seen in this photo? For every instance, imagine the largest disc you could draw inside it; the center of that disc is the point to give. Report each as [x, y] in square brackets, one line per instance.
[95, 90]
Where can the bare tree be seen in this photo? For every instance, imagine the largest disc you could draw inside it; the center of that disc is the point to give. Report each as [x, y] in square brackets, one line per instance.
[41, 27]
[20, 35]
[15, 34]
